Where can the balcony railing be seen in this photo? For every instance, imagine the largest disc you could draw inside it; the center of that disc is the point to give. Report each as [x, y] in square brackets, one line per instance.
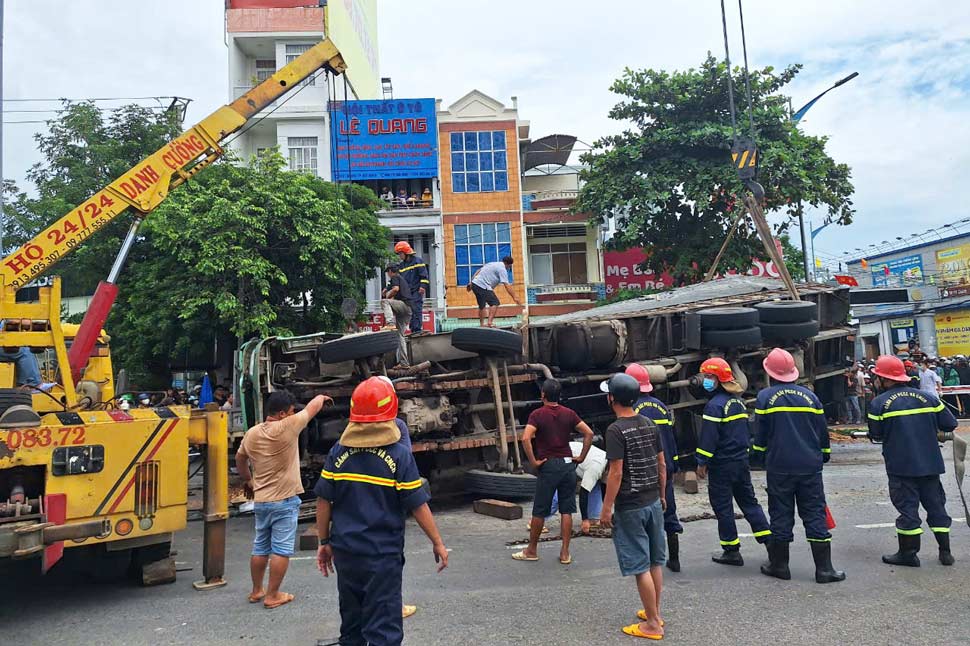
[550, 199]
[403, 205]
[539, 294]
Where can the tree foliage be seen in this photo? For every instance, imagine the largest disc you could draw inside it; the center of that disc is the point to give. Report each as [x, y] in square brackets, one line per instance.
[668, 179]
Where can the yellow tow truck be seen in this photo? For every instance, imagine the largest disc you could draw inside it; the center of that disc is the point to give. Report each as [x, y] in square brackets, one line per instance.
[76, 471]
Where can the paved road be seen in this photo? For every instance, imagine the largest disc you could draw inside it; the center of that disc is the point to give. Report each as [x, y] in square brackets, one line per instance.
[486, 598]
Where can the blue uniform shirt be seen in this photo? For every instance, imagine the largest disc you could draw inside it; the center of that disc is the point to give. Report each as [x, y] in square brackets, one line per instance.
[725, 433]
[415, 271]
[371, 491]
[907, 420]
[791, 428]
[653, 408]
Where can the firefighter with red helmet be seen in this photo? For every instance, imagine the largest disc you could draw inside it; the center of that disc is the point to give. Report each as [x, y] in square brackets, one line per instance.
[792, 437]
[415, 271]
[368, 485]
[723, 449]
[654, 409]
[910, 423]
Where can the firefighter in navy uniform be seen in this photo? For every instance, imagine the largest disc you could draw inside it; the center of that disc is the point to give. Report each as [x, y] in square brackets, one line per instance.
[792, 437]
[910, 423]
[415, 271]
[368, 484]
[723, 447]
[654, 409]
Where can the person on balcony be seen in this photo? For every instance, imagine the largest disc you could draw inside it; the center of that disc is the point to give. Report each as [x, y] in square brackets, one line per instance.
[402, 199]
[387, 195]
[426, 199]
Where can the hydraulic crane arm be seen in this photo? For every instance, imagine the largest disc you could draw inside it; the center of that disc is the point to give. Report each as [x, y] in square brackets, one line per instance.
[149, 182]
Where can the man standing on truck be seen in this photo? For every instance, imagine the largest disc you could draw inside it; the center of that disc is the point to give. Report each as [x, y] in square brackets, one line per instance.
[368, 484]
[654, 409]
[793, 437]
[910, 423]
[483, 285]
[551, 426]
[397, 304]
[723, 445]
[414, 270]
[268, 460]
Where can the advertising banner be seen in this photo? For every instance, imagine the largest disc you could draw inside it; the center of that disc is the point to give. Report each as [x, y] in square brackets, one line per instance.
[905, 272]
[394, 139]
[953, 333]
[376, 320]
[953, 265]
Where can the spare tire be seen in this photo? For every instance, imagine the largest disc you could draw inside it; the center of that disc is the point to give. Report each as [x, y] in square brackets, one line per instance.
[358, 346]
[500, 485]
[789, 331]
[728, 318]
[749, 336]
[787, 311]
[487, 340]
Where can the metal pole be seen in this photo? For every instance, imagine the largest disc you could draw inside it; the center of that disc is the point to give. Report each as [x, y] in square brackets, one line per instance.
[814, 264]
[503, 441]
[801, 229]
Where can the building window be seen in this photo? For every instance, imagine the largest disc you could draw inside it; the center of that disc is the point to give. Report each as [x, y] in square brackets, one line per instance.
[479, 163]
[303, 153]
[477, 244]
[558, 264]
[292, 53]
[264, 70]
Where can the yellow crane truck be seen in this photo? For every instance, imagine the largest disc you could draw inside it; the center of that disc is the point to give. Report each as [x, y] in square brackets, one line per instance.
[76, 471]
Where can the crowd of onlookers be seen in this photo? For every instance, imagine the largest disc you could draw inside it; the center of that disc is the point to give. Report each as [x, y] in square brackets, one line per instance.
[221, 396]
[402, 200]
[925, 373]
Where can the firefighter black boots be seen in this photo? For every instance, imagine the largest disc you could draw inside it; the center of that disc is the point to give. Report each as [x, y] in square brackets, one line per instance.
[943, 540]
[730, 556]
[673, 552]
[824, 572]
[906, 556]
[777, 565]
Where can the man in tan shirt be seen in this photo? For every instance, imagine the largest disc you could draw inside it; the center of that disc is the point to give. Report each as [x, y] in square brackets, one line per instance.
[268, 460]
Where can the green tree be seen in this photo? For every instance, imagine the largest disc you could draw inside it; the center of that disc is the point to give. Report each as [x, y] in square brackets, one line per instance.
[668, 181]
[243, 251]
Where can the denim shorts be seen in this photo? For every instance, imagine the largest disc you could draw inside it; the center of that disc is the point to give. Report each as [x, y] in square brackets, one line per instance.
[638, 537]
[276, 527]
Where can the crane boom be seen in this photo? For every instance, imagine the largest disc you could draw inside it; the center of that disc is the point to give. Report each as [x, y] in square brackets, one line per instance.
[148, 183]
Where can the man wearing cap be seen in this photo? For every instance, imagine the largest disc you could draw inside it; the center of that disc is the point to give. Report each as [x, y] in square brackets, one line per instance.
[654, 409]
[792, 437]
[368, 484]
[910, 423]
[635, 486]
[723, 446]
[414, 270]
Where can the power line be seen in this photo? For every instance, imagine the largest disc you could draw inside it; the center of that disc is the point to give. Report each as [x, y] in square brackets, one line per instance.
[112, 98]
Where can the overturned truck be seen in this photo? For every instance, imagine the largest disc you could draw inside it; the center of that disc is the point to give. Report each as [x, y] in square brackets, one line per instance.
[469, 392]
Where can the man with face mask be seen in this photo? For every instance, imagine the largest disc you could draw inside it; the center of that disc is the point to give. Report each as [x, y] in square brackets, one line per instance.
[723, 447]
[910, 423]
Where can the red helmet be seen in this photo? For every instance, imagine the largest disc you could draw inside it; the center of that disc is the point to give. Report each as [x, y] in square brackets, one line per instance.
[891, 368]
[780, 365]
[373, 401]
[719, 368]
[403, 247]
[909, 364]
[640, 373]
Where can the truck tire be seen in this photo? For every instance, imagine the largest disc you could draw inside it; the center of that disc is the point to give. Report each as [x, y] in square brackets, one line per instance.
[728, 318]
[749, 336]
[10, 397]
[487, 340]
[789, 331]
[500, 485]
[358, 346]
[787, 311]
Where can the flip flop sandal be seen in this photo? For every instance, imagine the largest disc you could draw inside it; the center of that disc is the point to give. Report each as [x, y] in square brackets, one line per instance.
[521, 556]
[568, 561]
[287, 597]
[634, 631]
[642, 616]
[407, 611]
[255, 599]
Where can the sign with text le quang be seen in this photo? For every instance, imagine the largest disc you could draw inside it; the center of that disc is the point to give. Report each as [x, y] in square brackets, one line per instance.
[393, 139]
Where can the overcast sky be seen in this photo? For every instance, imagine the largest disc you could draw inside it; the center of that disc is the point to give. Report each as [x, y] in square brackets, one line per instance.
[903, 125]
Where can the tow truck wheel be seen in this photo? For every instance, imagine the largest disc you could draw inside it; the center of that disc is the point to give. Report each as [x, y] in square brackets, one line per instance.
[10, 397]
[358, 346]
[495, 484]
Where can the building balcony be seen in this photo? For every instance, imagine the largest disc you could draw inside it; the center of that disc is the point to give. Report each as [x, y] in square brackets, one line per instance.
[549, 200]
[581, 293]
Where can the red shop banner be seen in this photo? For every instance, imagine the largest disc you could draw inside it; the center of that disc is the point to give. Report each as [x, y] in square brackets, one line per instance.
[375, 321]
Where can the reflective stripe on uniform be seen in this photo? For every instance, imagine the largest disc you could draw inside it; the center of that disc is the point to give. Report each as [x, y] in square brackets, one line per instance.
[788, 409]
[410, 267]
[911, 411]
[766, 532]
[726, 419]
[940, 530]
[910, 532]
[661, 421]
[705, 453]
[826, 450]
[676, 457]
[819, 540]
[736, 541]
[759, 448]
[369, 479]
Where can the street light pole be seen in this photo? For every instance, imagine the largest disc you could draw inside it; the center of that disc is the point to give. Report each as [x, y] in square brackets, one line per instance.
[801, 229]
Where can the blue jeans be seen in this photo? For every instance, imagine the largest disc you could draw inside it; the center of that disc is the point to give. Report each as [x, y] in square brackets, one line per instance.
[854, 413]
[28, 371]
[276, 527]
[639, 540]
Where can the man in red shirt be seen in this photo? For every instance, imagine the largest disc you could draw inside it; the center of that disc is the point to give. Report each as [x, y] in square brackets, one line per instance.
[551, 426]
